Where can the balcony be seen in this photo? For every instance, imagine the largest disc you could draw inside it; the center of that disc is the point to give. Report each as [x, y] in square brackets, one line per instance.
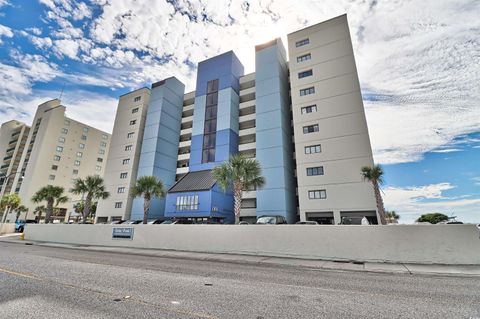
[183, 144]
[182, 170]
[183, 157]
[186, 132]
[246, 118]
[249, 194]
[247, 147]
[244, 212]
[247, 104]
[13, 141]
[248, 131]
[187, 119]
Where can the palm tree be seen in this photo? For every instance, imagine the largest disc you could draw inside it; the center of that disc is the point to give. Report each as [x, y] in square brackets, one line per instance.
[374, 175]
[53, 195]
[39, 210]
[391, 216]
[8, 203]
[21, 209]
[148, 187]
[92, 188]
[240, 174]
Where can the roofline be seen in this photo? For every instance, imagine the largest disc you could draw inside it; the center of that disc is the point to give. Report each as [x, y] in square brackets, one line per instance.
[342, 15]
[145, 87]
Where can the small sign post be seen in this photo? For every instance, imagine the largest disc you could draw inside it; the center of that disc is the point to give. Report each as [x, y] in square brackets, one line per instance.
[122, 233]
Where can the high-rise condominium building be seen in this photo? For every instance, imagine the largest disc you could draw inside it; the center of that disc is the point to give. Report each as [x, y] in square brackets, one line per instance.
[56, 150]
[124, 154]
[302, 119]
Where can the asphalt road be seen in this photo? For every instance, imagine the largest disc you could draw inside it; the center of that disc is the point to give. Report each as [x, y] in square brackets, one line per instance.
[48, 282]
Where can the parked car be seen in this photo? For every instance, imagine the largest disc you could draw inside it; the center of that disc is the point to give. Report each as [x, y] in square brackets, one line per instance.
[308, 222]
[117, 222]
[243, 223]
[271, 220]
[20, 224]
[354, 221]
[156, 221]
[178, 221]
[132, 222]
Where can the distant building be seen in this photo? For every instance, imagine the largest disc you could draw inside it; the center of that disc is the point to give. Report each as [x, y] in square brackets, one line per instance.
[303, 120]
[57, 150]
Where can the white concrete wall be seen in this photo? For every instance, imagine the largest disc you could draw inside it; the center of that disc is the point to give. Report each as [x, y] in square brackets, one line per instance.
[426, 244]
[7, 228]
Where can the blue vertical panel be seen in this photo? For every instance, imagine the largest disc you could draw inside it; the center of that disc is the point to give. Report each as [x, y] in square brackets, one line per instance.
[273, 133]
[159, 152]
[227, 69]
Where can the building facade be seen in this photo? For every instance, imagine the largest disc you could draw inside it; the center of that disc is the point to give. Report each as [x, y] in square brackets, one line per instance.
[124, 153]
[302, 119]
[57, 150]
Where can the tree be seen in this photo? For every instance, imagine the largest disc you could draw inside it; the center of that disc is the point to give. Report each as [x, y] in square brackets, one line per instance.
[391, 216]
[53, 195]
[8, 203]
[240, 174]
[433, 218]
[92, 188]
[374, 175]
[39, 210]
[19, 210]
[148, 187]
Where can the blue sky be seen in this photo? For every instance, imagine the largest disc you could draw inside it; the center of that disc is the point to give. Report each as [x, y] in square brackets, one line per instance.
[418, 63]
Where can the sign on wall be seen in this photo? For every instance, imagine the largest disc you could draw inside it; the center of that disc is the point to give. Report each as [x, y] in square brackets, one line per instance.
[122, 233]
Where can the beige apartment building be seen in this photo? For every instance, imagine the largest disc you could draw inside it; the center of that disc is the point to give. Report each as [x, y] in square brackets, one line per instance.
[122, 163]
[330, 129]
[13, 138]
[57, 150]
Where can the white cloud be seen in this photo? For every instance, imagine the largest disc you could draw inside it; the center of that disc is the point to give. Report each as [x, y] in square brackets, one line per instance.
[416, 59]
[411, 202]
[68, 48]
[5, 32]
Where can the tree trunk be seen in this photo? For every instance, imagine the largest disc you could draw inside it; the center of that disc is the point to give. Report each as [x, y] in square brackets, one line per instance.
[146, 208]
[237, 199]
[49, 211]
[380, 208]
[86, 208]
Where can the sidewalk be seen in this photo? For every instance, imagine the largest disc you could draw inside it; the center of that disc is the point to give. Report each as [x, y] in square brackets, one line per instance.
[411, 269]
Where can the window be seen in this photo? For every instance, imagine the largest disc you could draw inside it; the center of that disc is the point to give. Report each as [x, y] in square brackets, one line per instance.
[313, 171]
[118, 204]
[129, 135]
[81, 146]
[121, 190]
[317, 194]
[54, 167]
[84, 137]
[75, 172]
[313, 149]
[85, 129]
[59, 149]
[101, 152]
[309, 109]
[105, 136]
[51, 177]
[66, 122]
[126, 161]
[307, 91]
[210, 124]
[135, 110]
[79, 154]
[76, 163]
[133, 122]
[56, 158]
[99, 159]
[137, 98]
[304, 74]
[128, 147]
[310, 129]
[98, 168]
[123, 175]
[103, 144]
[64, 131]
[302, 42]
[61, 139]
[305, 57]
[187, 202]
